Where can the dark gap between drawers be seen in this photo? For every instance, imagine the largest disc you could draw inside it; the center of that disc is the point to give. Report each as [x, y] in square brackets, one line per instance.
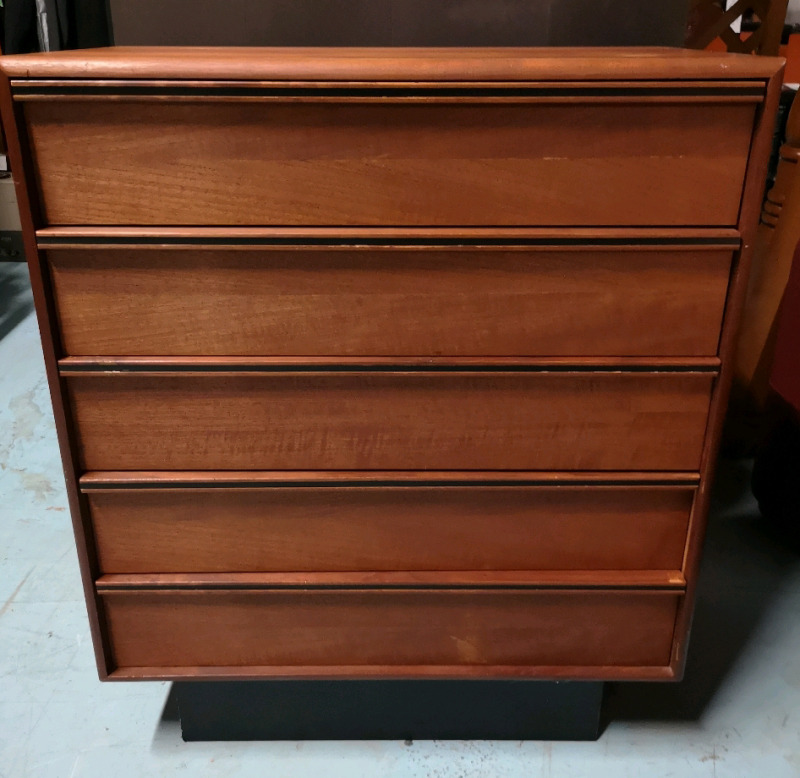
[403, 242]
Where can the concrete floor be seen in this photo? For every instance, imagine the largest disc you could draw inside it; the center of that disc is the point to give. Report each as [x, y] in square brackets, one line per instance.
[736, 714]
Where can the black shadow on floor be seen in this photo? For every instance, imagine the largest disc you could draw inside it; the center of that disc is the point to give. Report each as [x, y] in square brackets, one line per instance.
[744, 563]
[16, 300]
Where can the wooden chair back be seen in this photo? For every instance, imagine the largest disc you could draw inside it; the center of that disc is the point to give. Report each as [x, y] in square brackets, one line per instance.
[709, 20]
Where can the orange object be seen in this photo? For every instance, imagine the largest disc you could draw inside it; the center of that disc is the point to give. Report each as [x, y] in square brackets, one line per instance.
[789, 50]
[792, 53]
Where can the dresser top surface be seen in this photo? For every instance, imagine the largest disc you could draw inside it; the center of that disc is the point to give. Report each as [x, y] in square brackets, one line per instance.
[389, 64]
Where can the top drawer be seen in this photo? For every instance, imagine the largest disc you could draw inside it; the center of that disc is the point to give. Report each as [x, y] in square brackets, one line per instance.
[673, 156]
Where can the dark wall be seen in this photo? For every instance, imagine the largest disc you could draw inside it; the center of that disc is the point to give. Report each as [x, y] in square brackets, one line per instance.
[399, 22]
[70, 24]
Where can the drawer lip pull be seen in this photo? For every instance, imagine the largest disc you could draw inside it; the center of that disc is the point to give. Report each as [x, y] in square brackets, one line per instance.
[396, 672]
[121, 366]
[356, 83]
[248, 479]
[609, 91]
[389, 238]
[400, 581]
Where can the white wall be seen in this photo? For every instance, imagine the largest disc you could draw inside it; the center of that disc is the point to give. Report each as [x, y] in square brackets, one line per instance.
[793, 12]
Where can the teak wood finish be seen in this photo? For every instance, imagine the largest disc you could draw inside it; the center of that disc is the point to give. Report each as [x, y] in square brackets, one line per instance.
[389, 363]
[363, 527]
[319, 300]
[358, 420]
[447, 628]
[404, 164]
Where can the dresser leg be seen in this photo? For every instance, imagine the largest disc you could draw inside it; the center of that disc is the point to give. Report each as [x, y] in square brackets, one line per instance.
[389, 710]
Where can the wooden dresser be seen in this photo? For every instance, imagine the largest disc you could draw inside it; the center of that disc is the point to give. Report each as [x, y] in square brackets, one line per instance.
[375, 363]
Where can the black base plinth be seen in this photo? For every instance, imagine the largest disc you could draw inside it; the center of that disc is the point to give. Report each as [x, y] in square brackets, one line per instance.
[389, 710]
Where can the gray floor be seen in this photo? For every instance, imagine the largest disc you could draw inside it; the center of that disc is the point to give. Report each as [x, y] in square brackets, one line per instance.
[736, 714]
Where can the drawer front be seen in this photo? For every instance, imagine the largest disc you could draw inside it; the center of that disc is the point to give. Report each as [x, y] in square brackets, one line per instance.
[161, 629]
[367, 527]
[390, 302]
[391, 421]
[428, 163]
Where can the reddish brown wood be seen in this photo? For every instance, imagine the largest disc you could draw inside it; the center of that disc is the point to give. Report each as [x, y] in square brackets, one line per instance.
[409, 527]
[785, 372]
[748, 220]
[385, 420]
[388, 164]
[395, 672]
[390, 627]
[175, 366]
[714, 20]
[146, 239]
[594, 169]
[278, 301]
[389, 64]
[447, 580]
[774, 246]
[231, 479]
[33, 92]
[245, 479]
[30, 218]
[721, 89]
[165, 479]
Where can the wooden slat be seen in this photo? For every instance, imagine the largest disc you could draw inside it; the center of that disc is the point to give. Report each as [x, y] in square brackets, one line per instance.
[388, 64]
[478, 580]
[326, 302]
[124, 163]
[231, 479]
[23, 87]
[225, 365]
[554, 93]
[411, 99]
[391, 528]
[623, 239]
[391, 421]
[712, 21]
[396, 672]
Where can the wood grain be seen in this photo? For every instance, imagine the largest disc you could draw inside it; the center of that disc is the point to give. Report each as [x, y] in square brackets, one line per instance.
[748, 220]
[663, 154]
[395, 672]
[390, 528]
[442, 238]
[390, 64]
[175, 366]
[100, 480]
[566, 580]
[126, 163]
[569, 421]
[337, 301]
[469, 628]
